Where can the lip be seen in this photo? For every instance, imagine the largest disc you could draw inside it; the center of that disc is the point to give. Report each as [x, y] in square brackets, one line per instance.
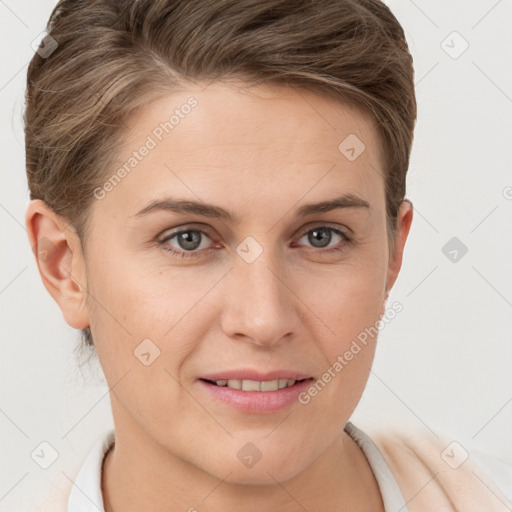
[256, 402]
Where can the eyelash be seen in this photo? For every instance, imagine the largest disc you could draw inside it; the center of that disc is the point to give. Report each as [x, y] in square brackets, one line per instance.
[194, 254]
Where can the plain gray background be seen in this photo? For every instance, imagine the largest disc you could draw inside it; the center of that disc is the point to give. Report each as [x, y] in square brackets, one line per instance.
[444, 363]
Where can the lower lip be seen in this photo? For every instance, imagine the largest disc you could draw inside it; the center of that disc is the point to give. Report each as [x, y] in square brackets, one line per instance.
[257, 402]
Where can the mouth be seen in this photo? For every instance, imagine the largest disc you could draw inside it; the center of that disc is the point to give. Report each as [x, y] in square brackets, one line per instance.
[256, 385]
[252, 396]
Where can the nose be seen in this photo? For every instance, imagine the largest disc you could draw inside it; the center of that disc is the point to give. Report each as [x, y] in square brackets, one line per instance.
[260, 306]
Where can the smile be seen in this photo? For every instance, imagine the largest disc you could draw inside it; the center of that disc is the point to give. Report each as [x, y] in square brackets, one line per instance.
[255, 396]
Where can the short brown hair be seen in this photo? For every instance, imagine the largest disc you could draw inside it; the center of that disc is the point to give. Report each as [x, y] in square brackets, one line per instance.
[112, 56]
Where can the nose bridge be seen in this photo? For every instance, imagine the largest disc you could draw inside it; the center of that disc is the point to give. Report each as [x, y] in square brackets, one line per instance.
[259, 306]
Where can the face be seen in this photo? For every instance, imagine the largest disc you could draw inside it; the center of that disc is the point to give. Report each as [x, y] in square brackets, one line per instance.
[266, 290]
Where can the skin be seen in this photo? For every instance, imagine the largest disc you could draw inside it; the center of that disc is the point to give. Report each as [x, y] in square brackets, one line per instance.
[260, 153]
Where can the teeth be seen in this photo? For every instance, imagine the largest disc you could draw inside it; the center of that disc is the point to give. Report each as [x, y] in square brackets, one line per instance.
[256, 385]
[235, 384]
[269, 385]
[250, 385]
[283, 383]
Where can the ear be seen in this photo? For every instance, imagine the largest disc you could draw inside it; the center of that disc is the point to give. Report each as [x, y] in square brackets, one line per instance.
[404, 221]
[60, 261]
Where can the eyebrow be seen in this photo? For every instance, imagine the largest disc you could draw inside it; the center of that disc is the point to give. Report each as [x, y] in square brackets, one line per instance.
[216, 212]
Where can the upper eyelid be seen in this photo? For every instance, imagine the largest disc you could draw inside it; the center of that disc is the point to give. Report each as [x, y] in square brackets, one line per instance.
[330, 225]
[171, 232]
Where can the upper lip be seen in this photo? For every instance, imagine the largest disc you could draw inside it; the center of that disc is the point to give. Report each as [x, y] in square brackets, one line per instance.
[249, 374]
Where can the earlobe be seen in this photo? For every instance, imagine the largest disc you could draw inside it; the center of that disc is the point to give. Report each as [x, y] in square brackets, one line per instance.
[59, 259]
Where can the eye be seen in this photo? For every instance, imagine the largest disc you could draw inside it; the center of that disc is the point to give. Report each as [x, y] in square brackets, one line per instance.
[321, 236]
[189, 243]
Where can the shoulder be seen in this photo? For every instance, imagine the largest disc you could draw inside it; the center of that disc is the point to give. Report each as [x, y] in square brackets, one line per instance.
[435, 472]
[56, 498]
[68, 487]
[499, 470]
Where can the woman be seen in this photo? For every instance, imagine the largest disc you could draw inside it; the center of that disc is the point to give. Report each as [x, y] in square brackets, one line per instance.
[184, 159]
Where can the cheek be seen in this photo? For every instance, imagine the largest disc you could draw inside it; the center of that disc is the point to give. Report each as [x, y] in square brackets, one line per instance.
[140, 341]
[136, 300]
[348, 304]
[347, 301]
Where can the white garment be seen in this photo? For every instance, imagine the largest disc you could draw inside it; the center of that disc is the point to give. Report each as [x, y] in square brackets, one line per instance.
[86, 493]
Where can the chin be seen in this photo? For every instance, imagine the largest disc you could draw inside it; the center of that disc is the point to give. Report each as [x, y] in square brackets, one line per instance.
[262, 476]
[251, 467]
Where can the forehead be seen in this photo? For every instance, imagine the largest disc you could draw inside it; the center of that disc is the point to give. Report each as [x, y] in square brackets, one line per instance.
[266, 117]
[247, 141]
